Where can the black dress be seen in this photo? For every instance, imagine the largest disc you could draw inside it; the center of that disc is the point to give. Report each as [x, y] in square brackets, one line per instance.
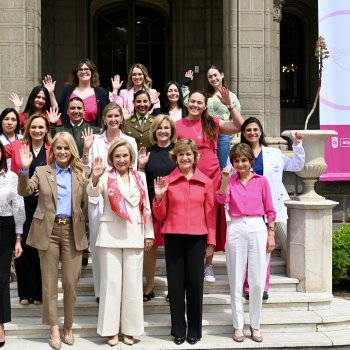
[28, 264]
[159, 164]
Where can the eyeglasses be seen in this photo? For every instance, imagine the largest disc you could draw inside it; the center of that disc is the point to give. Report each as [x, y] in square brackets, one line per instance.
[81, 70]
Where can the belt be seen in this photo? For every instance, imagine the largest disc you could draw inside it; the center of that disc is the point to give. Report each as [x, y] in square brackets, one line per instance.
[63, 220]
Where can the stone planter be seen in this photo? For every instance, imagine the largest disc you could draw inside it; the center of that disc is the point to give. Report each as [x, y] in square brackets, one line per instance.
[314, 142]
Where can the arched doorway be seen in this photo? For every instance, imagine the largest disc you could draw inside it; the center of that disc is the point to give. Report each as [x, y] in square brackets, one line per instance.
[125, 32]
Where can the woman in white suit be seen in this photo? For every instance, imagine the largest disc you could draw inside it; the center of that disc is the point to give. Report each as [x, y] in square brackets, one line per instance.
[98, 146]
[271, 163]
[125, 231]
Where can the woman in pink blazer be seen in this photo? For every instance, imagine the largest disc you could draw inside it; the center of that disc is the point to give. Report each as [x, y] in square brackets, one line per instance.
[184, 200]
[138, 79]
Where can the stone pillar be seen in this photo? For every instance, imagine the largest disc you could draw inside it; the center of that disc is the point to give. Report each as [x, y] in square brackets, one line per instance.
[309, 244]
[20, 48]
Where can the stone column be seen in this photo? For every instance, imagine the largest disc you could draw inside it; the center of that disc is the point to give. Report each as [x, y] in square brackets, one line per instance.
[20, 48]
[309, 244]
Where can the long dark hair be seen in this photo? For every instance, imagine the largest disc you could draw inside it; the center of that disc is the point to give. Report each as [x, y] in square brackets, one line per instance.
[166, 103]
[209, 90]
[208, 124]
[3, 163]
[4, 113]
[256, 121]
[30, 106]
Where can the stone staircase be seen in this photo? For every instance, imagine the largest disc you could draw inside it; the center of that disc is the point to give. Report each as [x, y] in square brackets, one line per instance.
[290, 319]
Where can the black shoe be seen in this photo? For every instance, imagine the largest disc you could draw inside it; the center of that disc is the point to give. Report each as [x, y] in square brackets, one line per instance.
[246, 296]
[179, 340]
[193, 340]
[265, 295]
[2, 343]
[98, 300]
[149, 296]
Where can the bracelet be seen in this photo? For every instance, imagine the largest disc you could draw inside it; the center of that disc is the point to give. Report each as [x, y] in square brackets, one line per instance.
[271, 228]
[18, 236]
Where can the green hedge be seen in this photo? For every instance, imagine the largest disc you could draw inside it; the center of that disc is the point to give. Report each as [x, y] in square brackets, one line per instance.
[341, 253]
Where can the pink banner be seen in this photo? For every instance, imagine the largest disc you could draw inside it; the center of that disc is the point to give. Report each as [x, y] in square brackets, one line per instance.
[334, 26]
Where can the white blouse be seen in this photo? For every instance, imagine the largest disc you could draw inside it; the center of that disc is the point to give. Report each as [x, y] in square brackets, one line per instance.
[11, 204]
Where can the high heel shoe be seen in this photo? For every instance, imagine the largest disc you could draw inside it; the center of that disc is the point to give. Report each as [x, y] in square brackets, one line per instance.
[55, 345]
[149, 296]
[128, 339]
[238, 335]
[68, 338]
[113, 340]
[2, 343]
[257, 337]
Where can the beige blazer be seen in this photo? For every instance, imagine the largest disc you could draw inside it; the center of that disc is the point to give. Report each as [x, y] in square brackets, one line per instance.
[115, 232]
[44, 180]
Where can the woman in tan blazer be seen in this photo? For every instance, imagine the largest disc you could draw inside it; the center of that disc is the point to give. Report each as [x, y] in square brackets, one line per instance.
[58, 227]
[125, 231]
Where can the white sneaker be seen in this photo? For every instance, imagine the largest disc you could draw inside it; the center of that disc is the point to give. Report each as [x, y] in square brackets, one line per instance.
[209, 274]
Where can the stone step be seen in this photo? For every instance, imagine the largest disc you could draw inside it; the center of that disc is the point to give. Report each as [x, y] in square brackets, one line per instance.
[221, 285]
[335, 319]
[212, 303]
[276, 341]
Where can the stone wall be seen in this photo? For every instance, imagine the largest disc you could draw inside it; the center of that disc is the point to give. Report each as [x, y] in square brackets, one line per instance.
[20, 48]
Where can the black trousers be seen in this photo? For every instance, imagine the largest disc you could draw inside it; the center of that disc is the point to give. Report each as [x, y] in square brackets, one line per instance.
[184, 256]
[7, 244]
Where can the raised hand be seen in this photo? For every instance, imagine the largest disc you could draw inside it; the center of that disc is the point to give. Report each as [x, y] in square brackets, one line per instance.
[17, 102]
[160, 187]
[143, 157]
[188, 78]
[88, 136]
[126, 113]
[26, 156]
[297, 137]
[116, 83]
[53, 115]
[224, 96]
[97, 170]
[154, 97]
[226, 172]
[49, 83]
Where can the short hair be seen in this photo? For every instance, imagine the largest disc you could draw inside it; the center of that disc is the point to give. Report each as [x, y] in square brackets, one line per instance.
[182, 146]
[251, 120]
[75, 162]
[242, 150]
[147, 81]
[73, 76]
[155, 125]
[76, 98]
[4, 113]
[3, 163]
[109, 107]
[120, 143]
[26, 134]
[141, 92]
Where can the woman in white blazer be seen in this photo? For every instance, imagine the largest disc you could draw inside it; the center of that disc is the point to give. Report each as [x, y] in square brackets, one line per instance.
[125, 231]
[98, 146]
[271, 163]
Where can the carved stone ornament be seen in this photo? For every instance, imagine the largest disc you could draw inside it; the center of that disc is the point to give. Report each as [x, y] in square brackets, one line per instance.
[277, 10]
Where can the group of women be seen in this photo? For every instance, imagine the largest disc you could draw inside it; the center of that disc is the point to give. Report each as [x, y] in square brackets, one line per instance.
[136, 183]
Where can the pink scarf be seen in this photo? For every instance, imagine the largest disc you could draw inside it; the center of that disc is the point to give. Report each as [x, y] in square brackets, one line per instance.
[116, 199]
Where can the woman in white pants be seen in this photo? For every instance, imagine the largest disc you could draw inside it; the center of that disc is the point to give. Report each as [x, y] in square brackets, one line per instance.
[248, 239]
[98, 146]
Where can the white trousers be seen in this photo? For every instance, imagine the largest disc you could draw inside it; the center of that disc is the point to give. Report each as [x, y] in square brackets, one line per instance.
[121, 298]
[246, 243]
[95, 210]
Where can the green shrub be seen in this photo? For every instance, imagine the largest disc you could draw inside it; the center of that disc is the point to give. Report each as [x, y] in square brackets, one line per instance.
[341, 253]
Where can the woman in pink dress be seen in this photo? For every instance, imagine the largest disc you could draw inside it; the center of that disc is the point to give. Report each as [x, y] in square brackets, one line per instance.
[204, 131]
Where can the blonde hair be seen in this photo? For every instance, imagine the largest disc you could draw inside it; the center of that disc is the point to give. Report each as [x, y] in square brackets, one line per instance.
[109, 108]
[117, 144]
[147, 81]
[75, 162]
[26, 135]
[155, 125]
[182, 146]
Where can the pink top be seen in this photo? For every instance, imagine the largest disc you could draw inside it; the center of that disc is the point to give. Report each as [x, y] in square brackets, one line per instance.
[187, 207]
[252, 199]
[90, 108]
[125, 99]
